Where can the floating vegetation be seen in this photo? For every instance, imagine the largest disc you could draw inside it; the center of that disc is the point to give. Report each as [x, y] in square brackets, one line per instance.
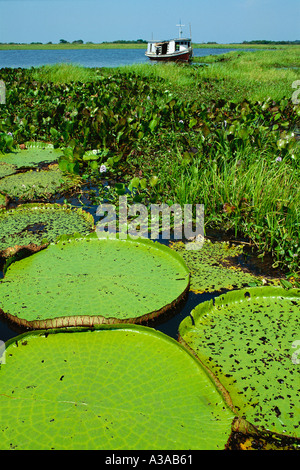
[6, 169]
[35, 185]
[115, 387]
[145, 131]
[40, 223]
[246, 338]
[211, 267]
[33, 155]
[3, 201]
[88, 281]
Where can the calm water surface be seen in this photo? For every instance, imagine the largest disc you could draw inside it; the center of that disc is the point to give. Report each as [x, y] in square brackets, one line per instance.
[84, 57]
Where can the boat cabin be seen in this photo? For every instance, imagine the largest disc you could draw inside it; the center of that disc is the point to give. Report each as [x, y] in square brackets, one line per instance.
[158, 48]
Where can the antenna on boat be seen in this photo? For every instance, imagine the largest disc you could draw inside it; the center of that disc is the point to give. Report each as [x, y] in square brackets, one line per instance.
[180, 30]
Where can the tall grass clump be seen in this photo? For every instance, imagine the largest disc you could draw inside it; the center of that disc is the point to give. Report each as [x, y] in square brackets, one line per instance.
[251, 196]
[251, 75]
[64, 73]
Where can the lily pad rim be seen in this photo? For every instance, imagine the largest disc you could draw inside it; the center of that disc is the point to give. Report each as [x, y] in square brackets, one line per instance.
[11, 251]
[91, 320]
[238, 295]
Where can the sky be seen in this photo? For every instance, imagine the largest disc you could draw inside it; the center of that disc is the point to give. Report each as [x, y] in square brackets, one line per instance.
[221, 21]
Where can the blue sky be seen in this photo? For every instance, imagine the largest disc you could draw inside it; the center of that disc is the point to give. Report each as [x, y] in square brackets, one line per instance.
[223, 21]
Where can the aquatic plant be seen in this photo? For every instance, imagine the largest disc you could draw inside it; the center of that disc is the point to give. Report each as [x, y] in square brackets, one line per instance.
[113, 387]
[3, 201]
[245, 338]
[212, 267]
[39, 224]
[35, 185]
[34, 154]
[88, 281]
[6, 169]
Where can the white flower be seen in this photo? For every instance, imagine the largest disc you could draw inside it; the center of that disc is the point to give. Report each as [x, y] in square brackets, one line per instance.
[102, 169]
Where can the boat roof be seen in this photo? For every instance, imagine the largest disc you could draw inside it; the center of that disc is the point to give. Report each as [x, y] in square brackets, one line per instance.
[168, 40]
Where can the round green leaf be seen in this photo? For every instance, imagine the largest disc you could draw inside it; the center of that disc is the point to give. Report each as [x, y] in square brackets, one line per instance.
[7, 169]
[33, 185]
[3, 201]
[34, 154]
[246, 338]
[89, 280]
[32, 223]
[121, 387]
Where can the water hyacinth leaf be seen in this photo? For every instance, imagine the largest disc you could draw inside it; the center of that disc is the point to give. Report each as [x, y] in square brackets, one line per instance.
[211, 269]
[88, 281]
[91, 155]
[32, 223]
[113, 387]
[246, 338]
[153, 181]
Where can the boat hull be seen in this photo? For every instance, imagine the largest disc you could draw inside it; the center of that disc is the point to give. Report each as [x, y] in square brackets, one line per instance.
[184, 56]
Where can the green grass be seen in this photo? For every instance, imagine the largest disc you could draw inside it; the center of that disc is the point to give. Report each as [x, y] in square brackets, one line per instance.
[64, 73]
[249, 194]
[232, 76]
[116, 45]
[252, 75]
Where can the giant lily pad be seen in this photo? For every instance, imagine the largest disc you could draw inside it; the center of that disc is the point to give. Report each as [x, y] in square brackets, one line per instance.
[32, 223]
[6, 169]
[246, 339]
[211, 269]
[34, 154]
[3, 201]
[88, 281]
[33, 185]
[108, 388]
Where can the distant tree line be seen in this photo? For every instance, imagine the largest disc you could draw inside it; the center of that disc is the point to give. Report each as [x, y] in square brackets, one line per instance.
[122, 41]
[264, 41]
[80, 41]
[142, 41]
[119, 41]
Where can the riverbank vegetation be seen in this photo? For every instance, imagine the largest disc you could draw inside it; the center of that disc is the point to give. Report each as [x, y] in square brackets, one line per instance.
[223, 132]
[137, 44]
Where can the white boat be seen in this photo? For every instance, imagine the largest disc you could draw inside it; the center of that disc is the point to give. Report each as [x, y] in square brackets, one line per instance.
[176, 50]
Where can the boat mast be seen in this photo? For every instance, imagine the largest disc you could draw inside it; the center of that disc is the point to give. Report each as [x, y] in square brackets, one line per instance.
[180, 28]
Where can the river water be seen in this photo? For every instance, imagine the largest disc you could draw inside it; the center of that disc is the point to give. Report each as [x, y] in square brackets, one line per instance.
[84, 57]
